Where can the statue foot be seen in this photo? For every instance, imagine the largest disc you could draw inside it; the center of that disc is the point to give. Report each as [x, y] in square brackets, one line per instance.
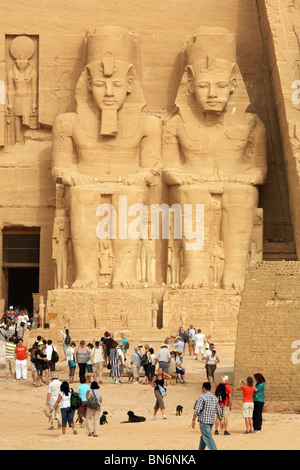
[195, 281]
[126, 284]
[125, 281]
[84, 284]
[235, 286]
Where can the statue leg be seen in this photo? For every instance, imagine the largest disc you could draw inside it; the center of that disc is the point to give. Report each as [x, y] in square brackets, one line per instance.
[84, 203]
[126, 251]
[196, 260]
[239, 204]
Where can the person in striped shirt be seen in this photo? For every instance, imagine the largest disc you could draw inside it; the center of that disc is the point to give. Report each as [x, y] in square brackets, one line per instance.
[10, 347]
[206, 408]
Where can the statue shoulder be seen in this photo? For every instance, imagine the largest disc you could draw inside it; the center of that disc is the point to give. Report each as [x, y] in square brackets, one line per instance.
[64, 123]
[152, 122]
[249, 126]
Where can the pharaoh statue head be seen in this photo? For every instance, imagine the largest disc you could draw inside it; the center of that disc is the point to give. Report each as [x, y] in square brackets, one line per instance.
[109, 80]
[212, 79]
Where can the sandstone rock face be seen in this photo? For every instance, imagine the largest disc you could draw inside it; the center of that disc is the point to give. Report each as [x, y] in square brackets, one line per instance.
[110, 115]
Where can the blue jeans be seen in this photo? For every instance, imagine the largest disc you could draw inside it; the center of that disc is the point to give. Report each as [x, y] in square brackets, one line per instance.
[67, 416]
[206, 437]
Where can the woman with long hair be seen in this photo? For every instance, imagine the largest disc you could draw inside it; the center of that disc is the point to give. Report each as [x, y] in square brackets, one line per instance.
[157, 383]
[259, 401]
[67, 413]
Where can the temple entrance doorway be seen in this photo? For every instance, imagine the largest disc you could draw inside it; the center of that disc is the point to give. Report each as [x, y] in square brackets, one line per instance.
[20, 266]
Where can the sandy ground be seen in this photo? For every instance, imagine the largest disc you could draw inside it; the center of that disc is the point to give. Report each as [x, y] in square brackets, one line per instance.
[23, 425]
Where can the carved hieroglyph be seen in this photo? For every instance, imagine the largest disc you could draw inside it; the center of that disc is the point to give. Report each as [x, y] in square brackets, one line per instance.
[102, 308]
[21, 89]
[109, 148]
[214, 310]
[214, 154]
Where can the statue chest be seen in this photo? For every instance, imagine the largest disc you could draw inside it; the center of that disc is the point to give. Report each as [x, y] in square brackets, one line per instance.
[213, 143]
[92, 143]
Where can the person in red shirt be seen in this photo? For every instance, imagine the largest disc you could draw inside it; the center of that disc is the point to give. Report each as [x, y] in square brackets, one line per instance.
[248, 403]
[21, 353]
[225, 406]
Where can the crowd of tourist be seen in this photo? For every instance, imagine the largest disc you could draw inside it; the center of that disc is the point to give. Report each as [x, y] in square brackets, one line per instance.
[111, 357]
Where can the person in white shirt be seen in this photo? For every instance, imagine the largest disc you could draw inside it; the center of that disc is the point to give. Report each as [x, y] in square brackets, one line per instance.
[70, 357]
[97, 361]
[199, 348]
[52, 395]
[50, 364]
[192, 340]
[163, 358]
[64, 403]
[211, 361]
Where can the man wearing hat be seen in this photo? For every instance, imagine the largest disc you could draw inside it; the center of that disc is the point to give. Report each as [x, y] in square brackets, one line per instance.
[179, 345]
[135, 362]
[52, 396]
[164, 357]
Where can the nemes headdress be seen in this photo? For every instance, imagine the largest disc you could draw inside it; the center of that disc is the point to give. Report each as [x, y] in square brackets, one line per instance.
[211, 49]
[111, 51]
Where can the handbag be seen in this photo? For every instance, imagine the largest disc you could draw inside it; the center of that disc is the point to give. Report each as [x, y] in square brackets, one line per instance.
[162, 390]
[93, 402]
[72, 363]
[108, 365]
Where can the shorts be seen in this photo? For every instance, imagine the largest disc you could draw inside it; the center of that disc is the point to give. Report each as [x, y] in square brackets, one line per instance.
[248, 410]
[10, 364]
[180, 371]
[71, 370]
[164, 366]
[135, 371]
[98, 366]
[89, 368]
[51, 366]
[67, 416]
[192, 341]
[39, 368]
[225, 411]
[55, 414]
[199, 349]
[33, 368]
[210, 370]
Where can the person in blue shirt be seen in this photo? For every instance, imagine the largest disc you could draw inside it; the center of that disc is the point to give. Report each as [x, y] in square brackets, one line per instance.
[82, 389]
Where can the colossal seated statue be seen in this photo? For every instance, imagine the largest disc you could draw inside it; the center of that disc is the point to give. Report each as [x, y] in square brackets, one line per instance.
[109, 148]
[214, 153]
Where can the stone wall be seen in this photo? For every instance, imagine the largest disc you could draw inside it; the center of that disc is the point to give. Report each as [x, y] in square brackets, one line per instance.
[268, 335]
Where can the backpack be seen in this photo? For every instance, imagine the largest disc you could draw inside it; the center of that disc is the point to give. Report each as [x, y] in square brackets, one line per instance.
[126, 345]
[145, 359]
[221, 392]
[33, 355]
[75, 400]
[54, 356]
[93, 402]
[67, 340]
